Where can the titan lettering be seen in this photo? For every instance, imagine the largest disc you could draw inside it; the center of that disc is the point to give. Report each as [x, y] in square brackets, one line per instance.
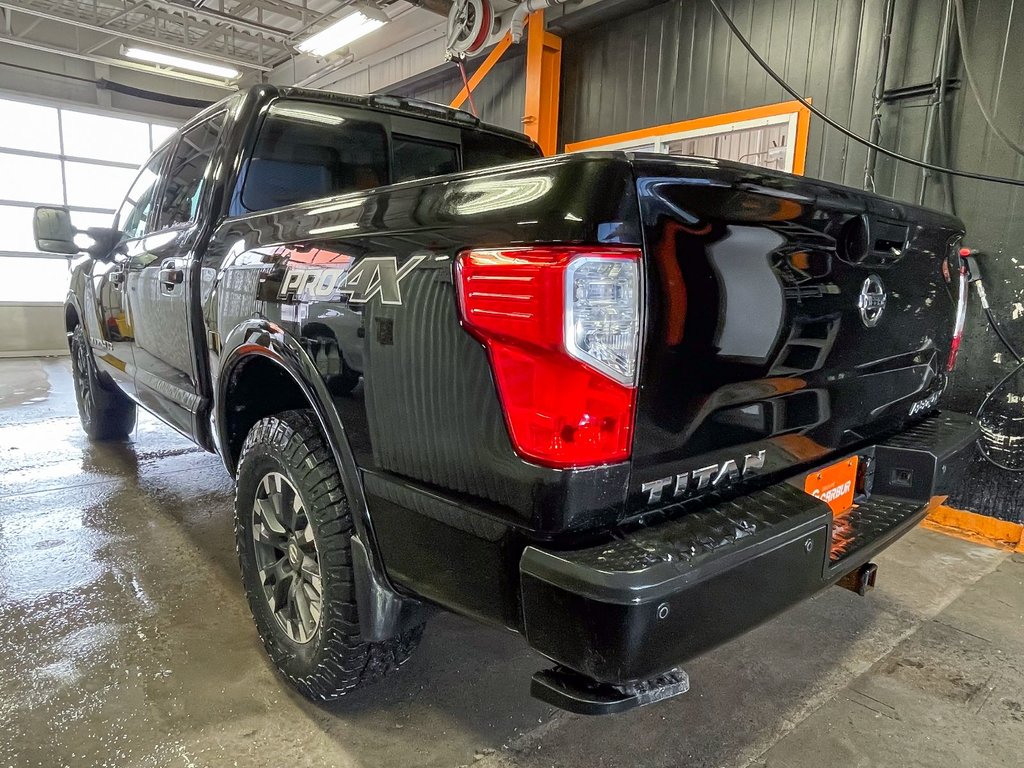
[711, 476]
[369, 277]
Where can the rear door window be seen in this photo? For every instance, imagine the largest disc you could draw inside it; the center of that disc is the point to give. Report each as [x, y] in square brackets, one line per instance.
[309, 150]
[415, 158]
[179, 200]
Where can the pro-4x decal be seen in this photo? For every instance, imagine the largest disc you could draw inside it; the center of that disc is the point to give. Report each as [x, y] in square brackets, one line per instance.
[370, 276]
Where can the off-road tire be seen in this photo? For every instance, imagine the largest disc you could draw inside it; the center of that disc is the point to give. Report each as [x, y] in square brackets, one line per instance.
[105, 411]
[335, 659]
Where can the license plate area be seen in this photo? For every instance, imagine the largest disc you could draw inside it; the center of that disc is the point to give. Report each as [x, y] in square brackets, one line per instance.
[835, 484]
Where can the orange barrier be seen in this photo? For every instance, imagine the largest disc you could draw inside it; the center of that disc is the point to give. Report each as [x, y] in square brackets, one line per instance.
[980, 529]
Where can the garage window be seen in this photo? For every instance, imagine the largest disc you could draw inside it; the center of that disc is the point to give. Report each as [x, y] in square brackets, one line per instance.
[56, 155]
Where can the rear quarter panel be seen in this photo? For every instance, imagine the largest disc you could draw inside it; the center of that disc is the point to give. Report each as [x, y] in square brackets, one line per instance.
[426, 416]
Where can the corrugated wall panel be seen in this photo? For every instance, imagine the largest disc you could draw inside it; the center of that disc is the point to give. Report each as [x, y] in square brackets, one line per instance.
[679, 61]
[500, 97]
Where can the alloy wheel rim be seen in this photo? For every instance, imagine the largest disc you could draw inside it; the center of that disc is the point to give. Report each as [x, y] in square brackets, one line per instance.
[287, 558]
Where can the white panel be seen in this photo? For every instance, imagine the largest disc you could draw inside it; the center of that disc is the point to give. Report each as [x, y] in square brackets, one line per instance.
[160, 134]
[16, 228]
[32, 179]
[97, 186]
[102, 137]
[29, 126]
[30, 279]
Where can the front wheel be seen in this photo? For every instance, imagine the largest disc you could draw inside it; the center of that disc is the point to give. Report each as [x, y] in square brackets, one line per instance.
[293, 530]
[106, 412]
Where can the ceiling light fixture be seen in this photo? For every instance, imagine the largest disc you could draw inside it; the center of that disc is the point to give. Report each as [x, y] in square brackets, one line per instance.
[178, 62]
[342, 32]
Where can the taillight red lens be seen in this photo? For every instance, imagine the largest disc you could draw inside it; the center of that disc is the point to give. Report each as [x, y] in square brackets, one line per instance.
[561, 327]
[960, 321]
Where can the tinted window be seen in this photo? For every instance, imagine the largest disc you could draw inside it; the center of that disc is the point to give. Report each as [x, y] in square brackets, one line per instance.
[133, 217]
[308, 150]
[417, 158]
[483, 150]
[180, 198]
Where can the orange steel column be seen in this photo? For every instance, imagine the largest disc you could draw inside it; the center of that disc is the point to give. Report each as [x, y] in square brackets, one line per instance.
[543, 72]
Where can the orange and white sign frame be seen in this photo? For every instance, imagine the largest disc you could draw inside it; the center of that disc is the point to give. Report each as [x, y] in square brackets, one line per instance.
[795, 114]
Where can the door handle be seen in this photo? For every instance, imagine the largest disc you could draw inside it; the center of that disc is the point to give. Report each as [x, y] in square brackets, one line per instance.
[171, 275]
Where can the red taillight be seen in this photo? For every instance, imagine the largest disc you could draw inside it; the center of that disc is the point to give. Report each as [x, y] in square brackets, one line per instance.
[561, 328]
[960, 321]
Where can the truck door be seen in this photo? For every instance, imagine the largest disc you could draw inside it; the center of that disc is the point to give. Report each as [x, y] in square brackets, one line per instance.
[113, 337]
[161, 283]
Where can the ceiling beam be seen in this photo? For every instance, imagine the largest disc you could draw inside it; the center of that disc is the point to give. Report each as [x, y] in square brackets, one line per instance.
[222, 17]
[157, 41]
[175, 74]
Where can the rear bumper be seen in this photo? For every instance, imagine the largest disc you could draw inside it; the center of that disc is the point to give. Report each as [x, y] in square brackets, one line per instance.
[644, 603]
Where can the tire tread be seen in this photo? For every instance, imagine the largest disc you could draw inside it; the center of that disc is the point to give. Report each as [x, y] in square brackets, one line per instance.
[343, 661]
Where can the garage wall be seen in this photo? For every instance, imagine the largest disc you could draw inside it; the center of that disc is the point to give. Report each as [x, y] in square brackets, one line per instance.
[31, 330]
[678, 61]
[46, 75]
[500, 97]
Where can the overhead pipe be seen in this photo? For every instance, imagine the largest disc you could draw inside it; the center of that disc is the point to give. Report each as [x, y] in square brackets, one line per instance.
[878, 94]
[440, 7]
[523, 10]
[935, 107]
[947, 181]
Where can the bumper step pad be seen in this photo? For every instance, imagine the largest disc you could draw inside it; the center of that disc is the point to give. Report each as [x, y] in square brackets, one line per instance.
[571, 691]
[868, 522]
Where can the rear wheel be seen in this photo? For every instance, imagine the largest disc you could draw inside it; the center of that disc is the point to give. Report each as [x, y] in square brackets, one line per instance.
[106, 412]
[293, 530]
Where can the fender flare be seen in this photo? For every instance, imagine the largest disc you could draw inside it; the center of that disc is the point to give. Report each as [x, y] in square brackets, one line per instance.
[388, 612]
[72, 301]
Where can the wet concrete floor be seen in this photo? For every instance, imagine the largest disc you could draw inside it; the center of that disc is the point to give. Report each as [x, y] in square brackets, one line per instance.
[126, 641]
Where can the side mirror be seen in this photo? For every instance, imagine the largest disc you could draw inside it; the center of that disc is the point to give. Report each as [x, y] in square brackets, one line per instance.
[53, 231]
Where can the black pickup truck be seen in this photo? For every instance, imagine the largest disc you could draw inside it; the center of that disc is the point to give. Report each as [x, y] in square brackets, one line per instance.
[626, 405]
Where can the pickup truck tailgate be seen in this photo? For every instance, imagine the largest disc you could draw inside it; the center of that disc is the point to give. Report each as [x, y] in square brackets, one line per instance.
[787, 319]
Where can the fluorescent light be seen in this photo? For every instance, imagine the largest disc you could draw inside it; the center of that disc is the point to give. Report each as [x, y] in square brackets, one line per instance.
[154, 57]
[340, 33]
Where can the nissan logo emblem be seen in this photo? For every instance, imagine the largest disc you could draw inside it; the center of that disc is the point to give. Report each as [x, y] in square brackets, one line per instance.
[871, 301]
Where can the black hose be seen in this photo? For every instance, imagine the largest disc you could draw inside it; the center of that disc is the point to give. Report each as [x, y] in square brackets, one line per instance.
[999, 385]
[1002, 337]
[843, 129]
[961, 29]
[981, 409]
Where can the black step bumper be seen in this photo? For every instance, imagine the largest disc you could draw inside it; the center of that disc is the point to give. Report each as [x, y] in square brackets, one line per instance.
[644, 603]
